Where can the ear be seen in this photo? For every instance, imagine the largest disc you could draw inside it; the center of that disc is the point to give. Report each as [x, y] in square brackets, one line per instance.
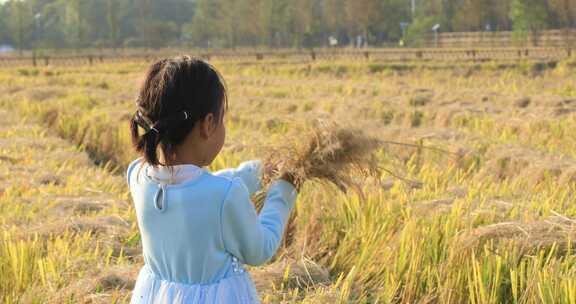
[208, 126]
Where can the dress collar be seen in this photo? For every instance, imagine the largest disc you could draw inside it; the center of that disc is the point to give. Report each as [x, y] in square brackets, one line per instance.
[174, 174]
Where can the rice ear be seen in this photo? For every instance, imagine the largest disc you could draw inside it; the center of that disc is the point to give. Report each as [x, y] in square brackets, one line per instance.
[330, 153]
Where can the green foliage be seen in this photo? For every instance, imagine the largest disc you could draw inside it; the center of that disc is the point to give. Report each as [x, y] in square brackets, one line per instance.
[273, 23]
[419, 29]
[19, 22]
[202, 27]
[528, 17]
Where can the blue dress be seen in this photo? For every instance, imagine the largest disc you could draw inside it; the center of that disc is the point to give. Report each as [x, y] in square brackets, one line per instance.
[199, 231]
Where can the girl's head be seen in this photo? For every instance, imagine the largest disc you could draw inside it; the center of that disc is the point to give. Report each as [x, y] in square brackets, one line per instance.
[181, 107]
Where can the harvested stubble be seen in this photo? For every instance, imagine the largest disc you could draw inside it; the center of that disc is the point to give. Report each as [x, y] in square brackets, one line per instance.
[83, 205]
[109, 225]
[533, 166]
[302, 274]
[101, 285]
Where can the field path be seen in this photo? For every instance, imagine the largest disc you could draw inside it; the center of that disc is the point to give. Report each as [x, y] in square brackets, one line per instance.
[68, 219]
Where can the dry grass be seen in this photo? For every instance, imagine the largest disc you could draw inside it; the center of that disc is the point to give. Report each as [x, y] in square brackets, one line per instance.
[64, 222]
[301, 274]
[99, 286]
[558, 232]
[103, 226]
[83, 205]
[511, 166]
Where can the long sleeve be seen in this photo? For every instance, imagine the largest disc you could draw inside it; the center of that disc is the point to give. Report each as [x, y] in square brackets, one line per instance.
[249, 172]
[254, 238]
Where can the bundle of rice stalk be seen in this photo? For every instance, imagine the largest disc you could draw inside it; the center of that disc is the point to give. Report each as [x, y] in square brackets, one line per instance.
[328, 154]
[555, 232]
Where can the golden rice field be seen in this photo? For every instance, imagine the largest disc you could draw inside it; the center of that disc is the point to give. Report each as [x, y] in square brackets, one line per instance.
[476, 203]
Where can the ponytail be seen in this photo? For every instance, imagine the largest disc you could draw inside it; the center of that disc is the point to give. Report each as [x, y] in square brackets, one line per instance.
[147, 143]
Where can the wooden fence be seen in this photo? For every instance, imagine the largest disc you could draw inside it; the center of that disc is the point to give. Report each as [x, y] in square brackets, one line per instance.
[381, 55]
[547, 38]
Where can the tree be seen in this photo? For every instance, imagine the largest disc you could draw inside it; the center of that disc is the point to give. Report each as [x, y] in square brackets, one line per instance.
[528, 16]
[203, 28]
[498, 14]
[564, 12]
[396, 11]
[113, 25]
[20, 22]
[362, 15]
[144, 23]
[228, 14]
[427, 15]
[303, 15]
[280, 19]
[3, 26]
[334, 18]
[275, 23]
[470, 15]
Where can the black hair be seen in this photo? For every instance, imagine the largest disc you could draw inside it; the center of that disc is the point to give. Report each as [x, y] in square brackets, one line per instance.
[176, 93]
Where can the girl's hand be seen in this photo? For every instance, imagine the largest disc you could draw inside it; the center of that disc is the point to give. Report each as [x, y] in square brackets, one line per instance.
[289, 177]
[270, 169]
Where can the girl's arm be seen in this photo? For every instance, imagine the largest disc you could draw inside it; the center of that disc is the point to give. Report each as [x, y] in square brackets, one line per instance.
[250, 237]
[249, 172]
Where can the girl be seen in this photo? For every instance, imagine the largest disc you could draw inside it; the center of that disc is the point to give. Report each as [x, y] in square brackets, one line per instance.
[198, 228]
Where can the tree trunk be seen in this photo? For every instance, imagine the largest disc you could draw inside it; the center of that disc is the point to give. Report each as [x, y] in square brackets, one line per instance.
[20, 29]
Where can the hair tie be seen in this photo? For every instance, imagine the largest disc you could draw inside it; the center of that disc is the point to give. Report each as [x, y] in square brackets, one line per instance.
[145, 123]
[148, 125]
